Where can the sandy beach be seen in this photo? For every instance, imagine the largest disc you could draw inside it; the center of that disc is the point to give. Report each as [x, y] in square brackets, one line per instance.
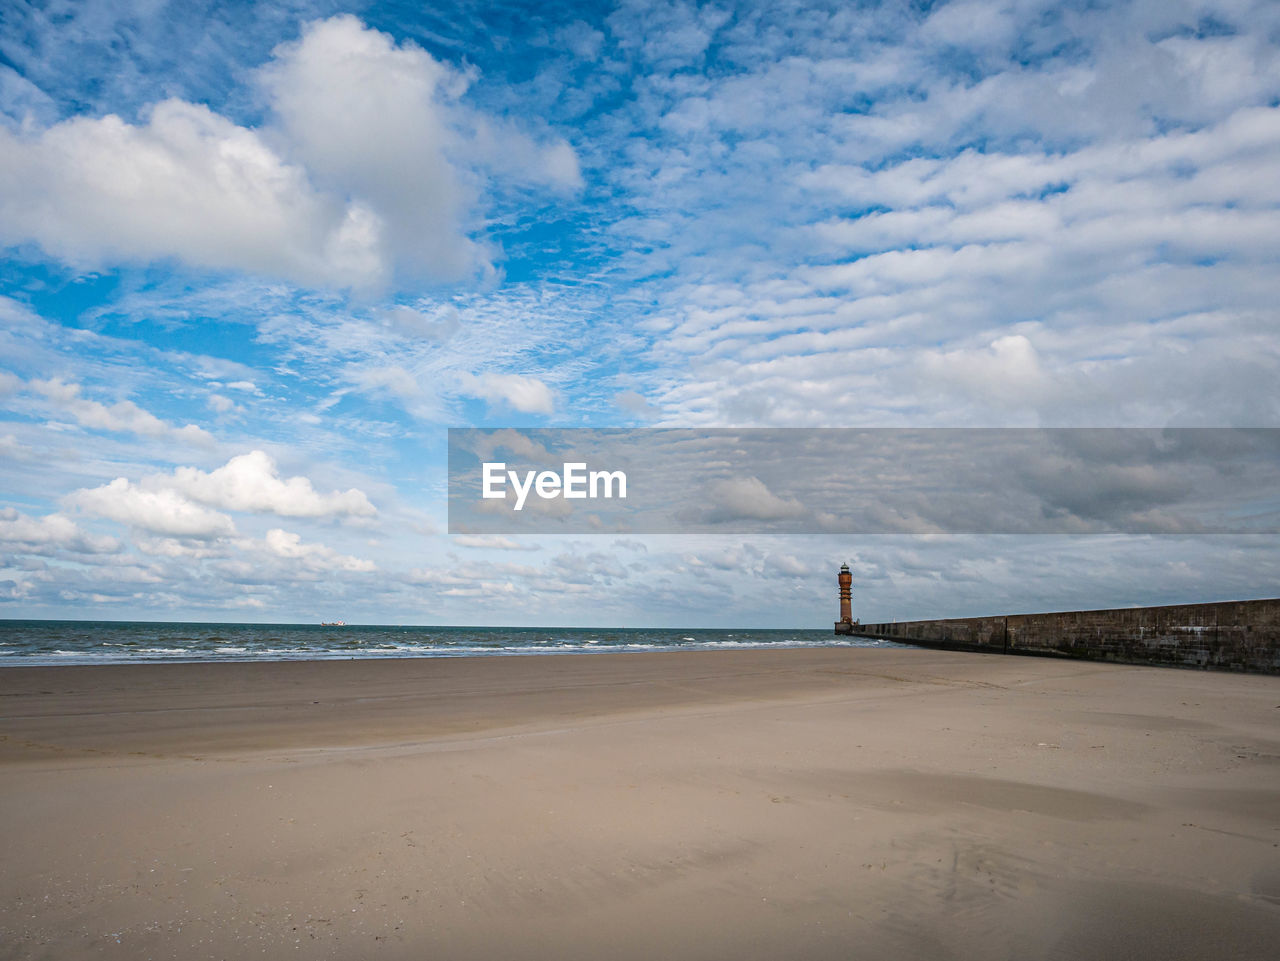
[800, 804]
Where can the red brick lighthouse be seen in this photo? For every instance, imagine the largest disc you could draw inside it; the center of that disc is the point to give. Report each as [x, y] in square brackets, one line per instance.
[846, 622]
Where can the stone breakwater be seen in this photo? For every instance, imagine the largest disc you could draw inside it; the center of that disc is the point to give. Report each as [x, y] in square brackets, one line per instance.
[1226, 635]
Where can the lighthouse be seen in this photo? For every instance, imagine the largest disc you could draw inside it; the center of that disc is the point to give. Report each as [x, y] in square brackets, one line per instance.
[845, 579]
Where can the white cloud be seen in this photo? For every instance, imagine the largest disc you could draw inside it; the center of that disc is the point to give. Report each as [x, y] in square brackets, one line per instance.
[315, 557]
[1006, 371]
[40, 535]
[787, 565]
[374, 169]
[177, 547]
[251, 482]
[525, 394]
[125, 415]
[366, 115]
[222, 404]
[1090, 273]
[970, 23]
[393, 379]
[159, 511]
[581, 38]
[12, 448]
[999, 170]
[383, 121]
[187, 184]
[723, 560]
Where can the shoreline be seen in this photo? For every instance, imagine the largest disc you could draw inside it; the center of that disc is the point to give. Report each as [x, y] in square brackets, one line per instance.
[40, 644]
[874, 644]
[799, 803]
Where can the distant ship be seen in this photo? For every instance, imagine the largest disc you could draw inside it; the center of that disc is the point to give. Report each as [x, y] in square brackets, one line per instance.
[333, 623]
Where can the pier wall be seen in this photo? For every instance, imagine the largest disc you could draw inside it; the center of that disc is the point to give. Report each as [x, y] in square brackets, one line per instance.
[1228, 635]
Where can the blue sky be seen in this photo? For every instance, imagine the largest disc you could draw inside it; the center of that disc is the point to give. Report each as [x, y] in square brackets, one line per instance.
[258, 257]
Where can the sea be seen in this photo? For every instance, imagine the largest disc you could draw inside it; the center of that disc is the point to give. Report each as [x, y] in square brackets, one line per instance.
[38, 643]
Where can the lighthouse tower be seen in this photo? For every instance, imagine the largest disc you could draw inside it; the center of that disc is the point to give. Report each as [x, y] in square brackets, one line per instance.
[845, 624]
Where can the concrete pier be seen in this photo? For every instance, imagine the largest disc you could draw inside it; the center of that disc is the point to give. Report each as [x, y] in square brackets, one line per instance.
[1227, 635]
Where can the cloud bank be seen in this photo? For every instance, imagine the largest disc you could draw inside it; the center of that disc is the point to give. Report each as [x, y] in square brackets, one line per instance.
[368, 171]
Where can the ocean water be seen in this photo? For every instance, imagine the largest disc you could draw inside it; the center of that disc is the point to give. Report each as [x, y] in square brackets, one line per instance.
[105, 642]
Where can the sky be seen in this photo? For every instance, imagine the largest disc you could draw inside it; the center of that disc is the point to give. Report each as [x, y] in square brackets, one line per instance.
[256, 259]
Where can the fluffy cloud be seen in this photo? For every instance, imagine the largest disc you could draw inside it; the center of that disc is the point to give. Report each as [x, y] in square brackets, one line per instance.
[124, 415]
[365, 115]
[372, 169]
[314, 557]
[1009, 369]
[43, 535]
[187, 183]
[222, 404]
[722, 560]
[250, 482]
[185, 548]
[180, 505]
[528, 395]
[163, 512]
[787, 565]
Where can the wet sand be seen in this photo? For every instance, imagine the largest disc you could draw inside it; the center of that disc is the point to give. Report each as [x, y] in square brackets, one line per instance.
[800, 804]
